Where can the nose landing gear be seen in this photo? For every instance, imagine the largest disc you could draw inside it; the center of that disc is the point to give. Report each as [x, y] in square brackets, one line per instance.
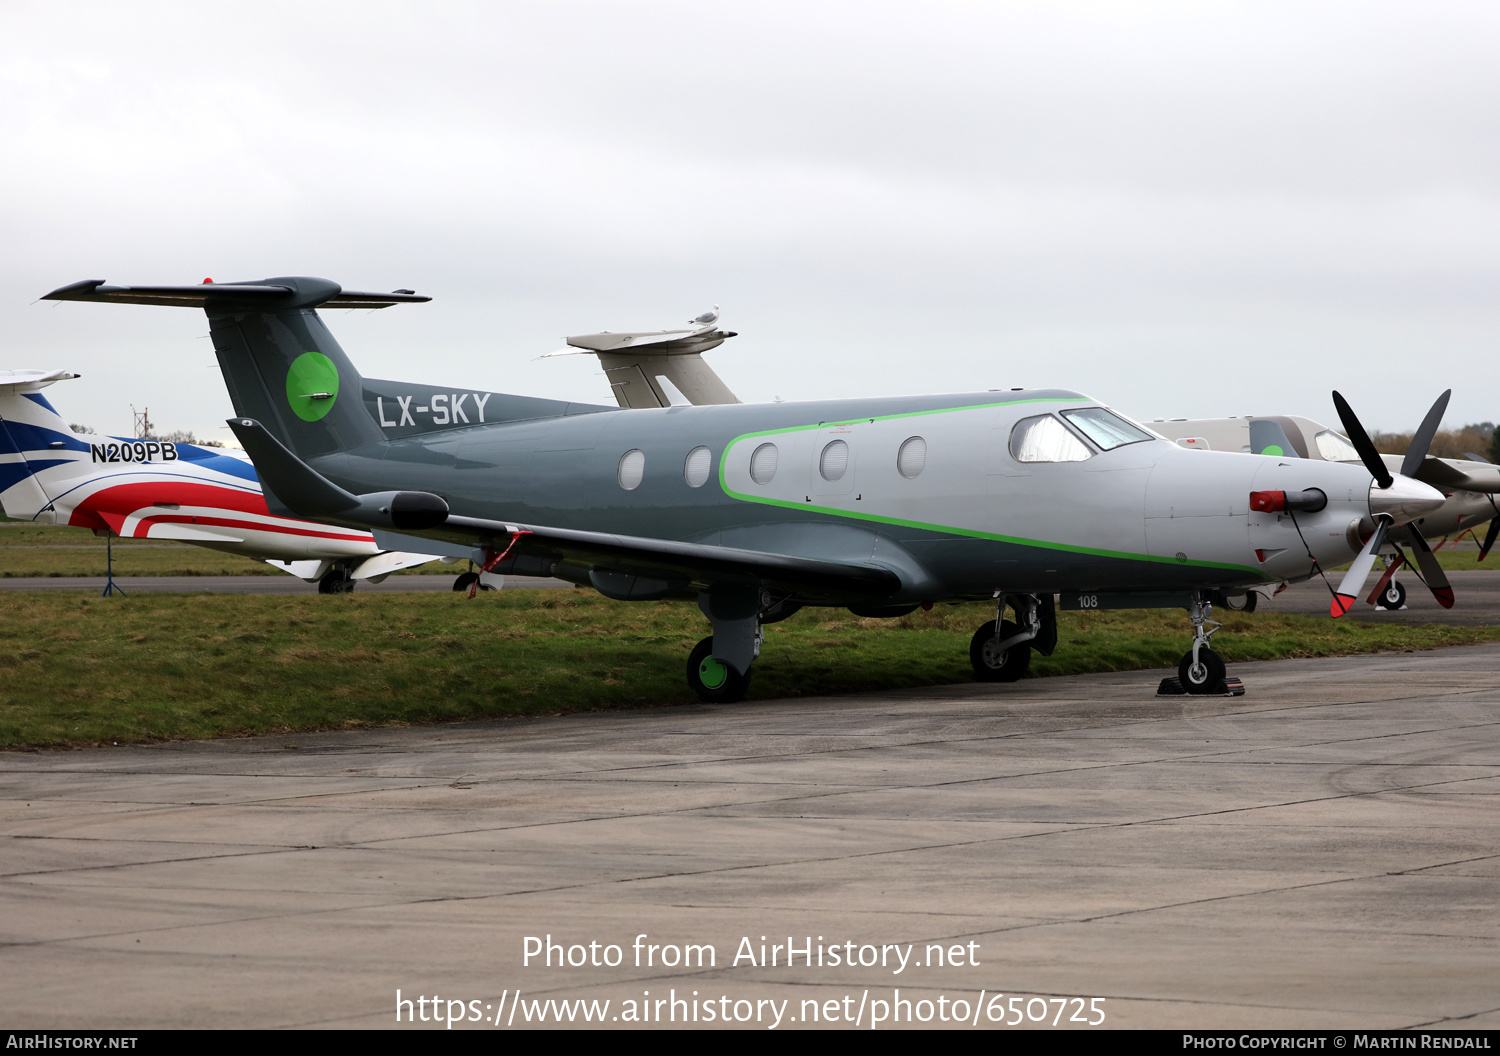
[1202, 670]
[1393, 597]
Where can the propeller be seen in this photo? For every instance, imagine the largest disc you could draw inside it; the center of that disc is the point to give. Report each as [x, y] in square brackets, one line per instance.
[1489, 536]
[1354, 579]
[1398, 499]
[1362, 443]
[1432, 572]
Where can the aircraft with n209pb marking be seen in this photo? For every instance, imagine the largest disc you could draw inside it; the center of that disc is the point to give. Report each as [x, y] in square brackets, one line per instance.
[755, 510]
[160, 489]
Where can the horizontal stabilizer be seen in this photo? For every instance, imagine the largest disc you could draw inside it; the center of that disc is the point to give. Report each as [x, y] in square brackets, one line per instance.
[653, 343]
[266, 296]
[33, 380]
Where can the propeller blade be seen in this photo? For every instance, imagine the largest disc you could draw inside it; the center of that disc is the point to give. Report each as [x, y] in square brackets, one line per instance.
[1432, 572]
[1361, 441]
[1422, 439]
[1354, 579]
[1489, 537]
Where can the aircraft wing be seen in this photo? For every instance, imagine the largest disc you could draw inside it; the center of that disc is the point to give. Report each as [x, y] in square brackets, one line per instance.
[670, 560]
[1449, 474]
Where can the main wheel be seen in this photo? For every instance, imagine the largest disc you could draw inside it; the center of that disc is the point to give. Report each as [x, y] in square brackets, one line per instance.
[998, 665]
[1206, 676]
[712, 679]
[335, 581]
[1393, 597]
[465, 580]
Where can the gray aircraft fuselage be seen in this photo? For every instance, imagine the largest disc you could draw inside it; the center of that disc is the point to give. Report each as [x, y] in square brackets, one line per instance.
[974, 520]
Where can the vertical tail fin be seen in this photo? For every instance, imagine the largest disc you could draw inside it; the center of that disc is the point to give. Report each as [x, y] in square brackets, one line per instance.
[31, 430]
[285, 370]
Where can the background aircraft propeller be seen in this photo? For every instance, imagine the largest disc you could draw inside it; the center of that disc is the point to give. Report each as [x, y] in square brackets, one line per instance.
[1489, 537]
[1385, 524]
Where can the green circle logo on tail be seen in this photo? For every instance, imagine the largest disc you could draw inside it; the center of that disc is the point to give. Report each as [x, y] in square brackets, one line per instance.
[312, 385]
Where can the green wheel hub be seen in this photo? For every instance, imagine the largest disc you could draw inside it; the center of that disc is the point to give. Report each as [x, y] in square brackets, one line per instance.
[713, 673]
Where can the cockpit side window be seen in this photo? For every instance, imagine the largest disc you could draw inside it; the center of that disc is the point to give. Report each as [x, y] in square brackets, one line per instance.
[1106, 428]
[1334, 447]
[1045, 439]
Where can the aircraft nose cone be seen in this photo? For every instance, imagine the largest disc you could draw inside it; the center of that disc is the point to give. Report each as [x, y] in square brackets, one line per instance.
[1405, 500]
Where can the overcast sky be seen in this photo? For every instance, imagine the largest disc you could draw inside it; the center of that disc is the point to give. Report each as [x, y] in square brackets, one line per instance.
[1183, 209]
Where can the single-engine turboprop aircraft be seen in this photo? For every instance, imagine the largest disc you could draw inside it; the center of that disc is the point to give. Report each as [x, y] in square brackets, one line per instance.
[879, 505]
[159, 489]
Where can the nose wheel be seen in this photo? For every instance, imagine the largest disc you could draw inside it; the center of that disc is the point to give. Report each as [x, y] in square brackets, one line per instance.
[1392, 597]
[1203, 674]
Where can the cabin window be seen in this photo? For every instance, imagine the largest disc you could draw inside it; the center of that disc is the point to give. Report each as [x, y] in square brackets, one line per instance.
[1045, 439]
[763, 464]
[632, 468]
[695, 470]
[912, 457]
[834, 462]
[1106, 428]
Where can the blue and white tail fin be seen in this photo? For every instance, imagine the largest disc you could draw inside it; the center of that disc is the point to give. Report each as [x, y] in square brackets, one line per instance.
[33, 437]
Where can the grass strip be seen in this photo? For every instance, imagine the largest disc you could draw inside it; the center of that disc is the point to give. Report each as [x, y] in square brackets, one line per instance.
[82, 670]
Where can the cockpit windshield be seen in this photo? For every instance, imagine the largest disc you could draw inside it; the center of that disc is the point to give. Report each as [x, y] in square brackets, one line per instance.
[1106, 428]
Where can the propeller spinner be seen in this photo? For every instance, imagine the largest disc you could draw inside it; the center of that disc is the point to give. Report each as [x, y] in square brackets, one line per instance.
[1395, 501]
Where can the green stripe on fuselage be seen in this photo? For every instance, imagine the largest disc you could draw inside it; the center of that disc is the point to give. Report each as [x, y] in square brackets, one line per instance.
[944, 529]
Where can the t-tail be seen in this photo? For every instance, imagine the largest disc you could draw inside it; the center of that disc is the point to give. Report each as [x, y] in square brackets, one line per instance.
[285, 370]
[33, 438]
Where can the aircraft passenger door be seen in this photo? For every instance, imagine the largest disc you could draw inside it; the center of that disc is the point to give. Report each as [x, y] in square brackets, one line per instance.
[833, 461]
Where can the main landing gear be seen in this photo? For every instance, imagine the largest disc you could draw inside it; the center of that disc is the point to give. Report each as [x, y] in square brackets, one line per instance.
[466, 581]
[336, 581]
[1000, 651]
[718, 669]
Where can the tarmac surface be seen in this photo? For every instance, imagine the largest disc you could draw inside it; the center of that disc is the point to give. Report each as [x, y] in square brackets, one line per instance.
[1323, 852]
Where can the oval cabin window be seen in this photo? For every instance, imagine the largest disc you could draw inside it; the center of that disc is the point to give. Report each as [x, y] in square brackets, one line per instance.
[912, 457]
[834, 462]
[763, 464]
[699, 462]
[632, 468]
